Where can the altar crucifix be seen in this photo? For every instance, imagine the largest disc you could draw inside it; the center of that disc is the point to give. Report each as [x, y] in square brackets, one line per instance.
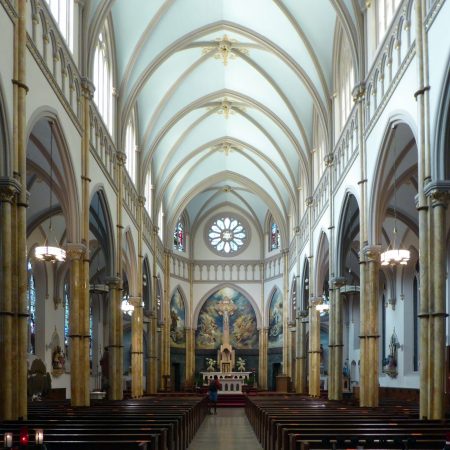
[225, 356]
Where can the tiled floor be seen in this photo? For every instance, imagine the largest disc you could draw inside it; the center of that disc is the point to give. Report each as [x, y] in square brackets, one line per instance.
[229, 429]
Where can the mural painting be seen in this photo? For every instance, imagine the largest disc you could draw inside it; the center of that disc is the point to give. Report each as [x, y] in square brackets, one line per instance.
[177, 321]
[276, 320]
[242, 323]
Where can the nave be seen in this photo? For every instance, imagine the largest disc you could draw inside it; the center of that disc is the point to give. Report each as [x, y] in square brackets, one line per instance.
[183, 421]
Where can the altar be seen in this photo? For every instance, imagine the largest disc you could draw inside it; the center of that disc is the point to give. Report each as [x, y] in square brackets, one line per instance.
[231, 382]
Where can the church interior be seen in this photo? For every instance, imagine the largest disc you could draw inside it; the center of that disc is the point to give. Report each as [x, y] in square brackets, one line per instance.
[255, 190]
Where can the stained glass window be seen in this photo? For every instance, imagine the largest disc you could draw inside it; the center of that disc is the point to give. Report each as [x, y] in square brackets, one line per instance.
[178, 237]
[274, 236]
[227, 235]
[66, 316]
[31, 295]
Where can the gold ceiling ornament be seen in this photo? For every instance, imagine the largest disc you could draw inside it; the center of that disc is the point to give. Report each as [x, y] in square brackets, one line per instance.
[227, 107]
[226, 147]
[223, 49]
[227, 189]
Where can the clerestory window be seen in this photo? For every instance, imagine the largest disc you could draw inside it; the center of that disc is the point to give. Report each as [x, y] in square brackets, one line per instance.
[62, 11]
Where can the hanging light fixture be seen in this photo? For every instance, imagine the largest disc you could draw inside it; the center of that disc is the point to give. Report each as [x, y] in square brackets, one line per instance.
[394, 255]
[323, 305]
[126, 306]
[48, 252]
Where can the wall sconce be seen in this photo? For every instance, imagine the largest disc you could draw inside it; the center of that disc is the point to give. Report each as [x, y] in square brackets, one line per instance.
[8, 440]
[39, 436]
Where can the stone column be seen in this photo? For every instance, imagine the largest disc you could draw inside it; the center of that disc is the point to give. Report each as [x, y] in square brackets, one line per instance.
[190, 356]
[137, 353]
[314, 347]
[439, 195]
[87, 95]
[152, 365]
[75, 254]
[8, 189]
[332, 343]
[115, 347]
[18, 213]
[263, 349]
[335, 372]
[165, 325]
[372, 254]
[423, 177]
[301, 352]
[286, 335]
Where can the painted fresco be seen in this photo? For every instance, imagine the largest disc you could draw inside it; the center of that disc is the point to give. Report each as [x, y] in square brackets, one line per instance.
[177, 321]
[276, 321]
[242, 322]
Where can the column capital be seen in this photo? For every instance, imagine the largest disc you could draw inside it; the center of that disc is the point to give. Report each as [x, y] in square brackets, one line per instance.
[309, 201]
[141, 200]
[338, 282]
[358, 92]
[329, 159]
[135, 301]
[8, 188]
[88, 87]
[113, 282]
[302, 314]
[121, 158]
[75, 251]
[439, 192]
[372, 252]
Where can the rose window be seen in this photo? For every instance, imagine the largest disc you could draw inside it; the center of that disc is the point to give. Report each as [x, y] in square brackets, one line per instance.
[227, 235]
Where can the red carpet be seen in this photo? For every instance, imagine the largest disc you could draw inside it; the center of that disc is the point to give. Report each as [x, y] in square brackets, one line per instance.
[231, 401]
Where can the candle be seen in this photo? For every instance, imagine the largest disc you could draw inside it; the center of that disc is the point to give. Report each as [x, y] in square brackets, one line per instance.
[8, 440]
[39, 436]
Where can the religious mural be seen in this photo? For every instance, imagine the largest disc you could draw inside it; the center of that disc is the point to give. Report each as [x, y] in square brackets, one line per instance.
[177, 321]
[241, 319]
[276, 320]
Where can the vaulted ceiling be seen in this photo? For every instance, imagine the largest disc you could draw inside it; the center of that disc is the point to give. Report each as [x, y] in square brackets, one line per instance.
[225, 93]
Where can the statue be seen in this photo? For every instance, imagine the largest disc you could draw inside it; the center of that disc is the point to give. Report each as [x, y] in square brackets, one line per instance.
[58, 357]
[390, 362]
[211, 363]
[240, 364]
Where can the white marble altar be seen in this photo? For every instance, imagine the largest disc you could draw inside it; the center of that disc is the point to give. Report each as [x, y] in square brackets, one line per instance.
[232, 382]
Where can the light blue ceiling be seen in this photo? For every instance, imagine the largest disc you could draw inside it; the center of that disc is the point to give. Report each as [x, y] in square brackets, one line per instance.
[190, 105]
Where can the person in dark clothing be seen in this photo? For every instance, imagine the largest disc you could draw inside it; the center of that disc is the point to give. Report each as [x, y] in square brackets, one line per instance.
[214, 387]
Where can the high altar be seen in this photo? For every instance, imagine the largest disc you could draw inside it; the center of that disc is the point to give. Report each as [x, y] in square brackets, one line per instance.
[232, 382]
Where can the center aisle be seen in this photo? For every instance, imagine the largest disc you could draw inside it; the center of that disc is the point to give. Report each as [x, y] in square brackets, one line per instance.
[229, 429]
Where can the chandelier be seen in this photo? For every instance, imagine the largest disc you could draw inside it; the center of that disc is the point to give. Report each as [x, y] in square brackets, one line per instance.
[46, 252]
[126, 306]
[394, 255]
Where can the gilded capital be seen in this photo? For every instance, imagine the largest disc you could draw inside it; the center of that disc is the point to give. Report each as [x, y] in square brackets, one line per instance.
[8, 188]
[329, 159]
[338, 282]
[88, 88]
[121, 158]
[372, 252]
[359, 92]
[75, 251]
[113, 282]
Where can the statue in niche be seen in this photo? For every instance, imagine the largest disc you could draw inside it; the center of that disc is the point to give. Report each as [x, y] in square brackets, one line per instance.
[58, 357]
[390, 362]
[240, 364]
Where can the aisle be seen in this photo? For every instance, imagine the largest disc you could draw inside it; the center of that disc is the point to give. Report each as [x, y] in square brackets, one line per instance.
[229, 429]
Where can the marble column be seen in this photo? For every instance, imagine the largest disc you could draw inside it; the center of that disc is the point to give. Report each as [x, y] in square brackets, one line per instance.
[314, 347]
[301, 353]
[115, 345]
[152, 363]
[137, 352]
[190, 356]
[263, 355]
[87, 96]
[286, 335]
[75, 254]
[332, 343]
[19, 209]
[439, 194]
[372, 254]
[8, 189]
[335, 372]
